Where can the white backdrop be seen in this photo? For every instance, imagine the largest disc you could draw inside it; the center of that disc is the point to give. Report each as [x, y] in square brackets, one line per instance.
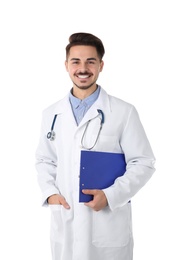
[144, 65]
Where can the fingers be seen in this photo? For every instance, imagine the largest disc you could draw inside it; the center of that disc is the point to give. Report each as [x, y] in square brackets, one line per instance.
[90, 192]
[64, 203]
[99, 201]
[58, 199]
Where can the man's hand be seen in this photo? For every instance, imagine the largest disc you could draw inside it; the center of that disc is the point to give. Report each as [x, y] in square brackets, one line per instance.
[99, 200]
[58, 199]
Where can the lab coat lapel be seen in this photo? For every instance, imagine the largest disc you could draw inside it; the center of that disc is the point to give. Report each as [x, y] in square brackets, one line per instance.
[101, 103]
[63, 108]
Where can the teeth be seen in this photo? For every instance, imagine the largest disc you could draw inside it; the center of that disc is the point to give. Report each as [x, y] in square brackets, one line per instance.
[83, 76]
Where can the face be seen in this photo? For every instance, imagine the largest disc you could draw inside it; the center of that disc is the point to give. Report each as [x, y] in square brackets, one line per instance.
[83, 66]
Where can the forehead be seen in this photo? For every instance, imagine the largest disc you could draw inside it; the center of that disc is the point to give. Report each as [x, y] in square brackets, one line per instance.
[82, 52]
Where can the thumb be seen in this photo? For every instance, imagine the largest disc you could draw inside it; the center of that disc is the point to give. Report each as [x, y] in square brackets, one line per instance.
[64, 203]
[90, 192]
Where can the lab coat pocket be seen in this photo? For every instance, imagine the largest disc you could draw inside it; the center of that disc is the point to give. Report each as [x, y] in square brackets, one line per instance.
[112, 228]
[57, 225]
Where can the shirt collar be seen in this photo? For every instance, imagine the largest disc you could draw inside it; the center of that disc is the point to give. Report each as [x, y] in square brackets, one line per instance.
[86, 101]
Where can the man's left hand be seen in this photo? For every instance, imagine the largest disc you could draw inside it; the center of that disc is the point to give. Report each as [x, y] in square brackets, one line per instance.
[99, 200]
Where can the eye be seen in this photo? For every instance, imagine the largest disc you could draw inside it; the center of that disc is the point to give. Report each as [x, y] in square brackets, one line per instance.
[75, 62]
[91, 62]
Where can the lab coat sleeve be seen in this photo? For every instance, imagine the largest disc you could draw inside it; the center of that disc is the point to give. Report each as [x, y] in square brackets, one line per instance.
[140, 163]
[46, 162]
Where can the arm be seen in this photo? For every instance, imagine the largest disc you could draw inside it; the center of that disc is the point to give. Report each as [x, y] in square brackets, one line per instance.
[140, 163]
[46, 162]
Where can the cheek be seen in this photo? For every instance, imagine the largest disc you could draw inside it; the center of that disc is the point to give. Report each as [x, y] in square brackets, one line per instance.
[71, 71]
[98, 70]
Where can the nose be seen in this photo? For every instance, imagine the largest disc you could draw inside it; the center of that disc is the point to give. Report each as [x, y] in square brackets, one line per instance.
[83, 67]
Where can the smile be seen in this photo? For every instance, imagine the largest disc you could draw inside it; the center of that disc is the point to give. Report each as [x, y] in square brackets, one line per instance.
[83, 76]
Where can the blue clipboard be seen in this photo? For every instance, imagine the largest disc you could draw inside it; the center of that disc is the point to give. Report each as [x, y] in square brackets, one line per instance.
[99, 170]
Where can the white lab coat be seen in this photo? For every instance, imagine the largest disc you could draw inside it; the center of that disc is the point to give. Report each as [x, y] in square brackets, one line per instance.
[81, 233]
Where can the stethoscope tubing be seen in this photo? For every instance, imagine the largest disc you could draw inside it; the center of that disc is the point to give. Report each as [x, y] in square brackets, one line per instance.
[51, 135]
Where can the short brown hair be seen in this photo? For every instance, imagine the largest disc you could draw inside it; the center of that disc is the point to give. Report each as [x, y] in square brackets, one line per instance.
[86, 39]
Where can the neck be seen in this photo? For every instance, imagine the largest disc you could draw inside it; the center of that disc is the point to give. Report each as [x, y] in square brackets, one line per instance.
[83, 93]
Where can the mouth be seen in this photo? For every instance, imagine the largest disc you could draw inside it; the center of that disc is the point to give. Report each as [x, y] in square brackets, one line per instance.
[83, 76]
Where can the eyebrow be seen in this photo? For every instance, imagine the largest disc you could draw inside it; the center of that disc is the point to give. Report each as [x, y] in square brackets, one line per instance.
[79, 59]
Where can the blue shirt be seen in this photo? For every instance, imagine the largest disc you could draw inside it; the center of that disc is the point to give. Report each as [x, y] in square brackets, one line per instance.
[80, 107]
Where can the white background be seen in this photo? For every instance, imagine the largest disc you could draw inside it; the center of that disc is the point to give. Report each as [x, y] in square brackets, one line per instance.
[144, 65]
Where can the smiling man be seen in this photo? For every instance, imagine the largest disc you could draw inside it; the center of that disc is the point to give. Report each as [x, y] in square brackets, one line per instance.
[83, 64]
[89, 120]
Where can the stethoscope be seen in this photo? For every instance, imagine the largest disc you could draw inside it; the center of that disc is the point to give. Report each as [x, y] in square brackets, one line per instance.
[52, 135]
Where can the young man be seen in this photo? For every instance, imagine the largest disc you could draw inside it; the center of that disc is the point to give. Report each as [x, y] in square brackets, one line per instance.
[88, 119]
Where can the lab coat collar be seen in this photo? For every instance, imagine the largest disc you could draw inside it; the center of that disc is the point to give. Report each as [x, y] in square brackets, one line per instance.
[64, 107]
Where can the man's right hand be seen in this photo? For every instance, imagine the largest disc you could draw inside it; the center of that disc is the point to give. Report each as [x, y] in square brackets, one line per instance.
[58, 199]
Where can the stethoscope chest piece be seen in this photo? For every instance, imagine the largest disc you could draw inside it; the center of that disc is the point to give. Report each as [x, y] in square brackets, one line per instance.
[51, 135]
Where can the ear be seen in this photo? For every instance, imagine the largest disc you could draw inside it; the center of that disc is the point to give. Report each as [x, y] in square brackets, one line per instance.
[101, 65]
[66, 65]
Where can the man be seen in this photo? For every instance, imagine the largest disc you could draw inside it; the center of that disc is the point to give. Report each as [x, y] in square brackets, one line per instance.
[88, 119]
